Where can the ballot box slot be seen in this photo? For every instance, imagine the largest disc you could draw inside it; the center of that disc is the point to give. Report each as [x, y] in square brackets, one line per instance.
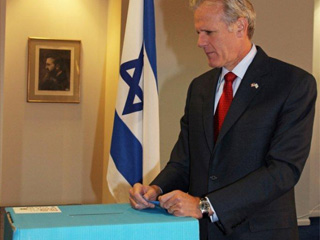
[93, 214]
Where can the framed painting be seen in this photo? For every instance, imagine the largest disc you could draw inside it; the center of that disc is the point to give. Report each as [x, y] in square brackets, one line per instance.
[53, 70]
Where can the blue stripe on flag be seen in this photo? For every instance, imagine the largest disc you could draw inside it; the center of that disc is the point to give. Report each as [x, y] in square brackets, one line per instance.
[126, 152]
[149, 35]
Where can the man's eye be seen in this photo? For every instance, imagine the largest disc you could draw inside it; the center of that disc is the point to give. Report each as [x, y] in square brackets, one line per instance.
[207, 32]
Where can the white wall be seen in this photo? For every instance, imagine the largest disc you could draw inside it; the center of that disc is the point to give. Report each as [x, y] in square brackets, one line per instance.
[52, 153]
[179, 61]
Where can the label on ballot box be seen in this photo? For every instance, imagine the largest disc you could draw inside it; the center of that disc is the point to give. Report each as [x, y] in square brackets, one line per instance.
[104, 221]
[25, 210]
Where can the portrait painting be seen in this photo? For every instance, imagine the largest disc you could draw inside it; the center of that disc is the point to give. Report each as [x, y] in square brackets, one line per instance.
[53, 70]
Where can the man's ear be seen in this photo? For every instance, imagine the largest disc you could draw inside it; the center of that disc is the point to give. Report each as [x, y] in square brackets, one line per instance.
[242, 27]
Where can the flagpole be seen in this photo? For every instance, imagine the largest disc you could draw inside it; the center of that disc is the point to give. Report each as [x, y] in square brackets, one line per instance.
[111, 84]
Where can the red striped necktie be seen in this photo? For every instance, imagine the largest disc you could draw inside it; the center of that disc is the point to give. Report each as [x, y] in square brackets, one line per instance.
[224, 103]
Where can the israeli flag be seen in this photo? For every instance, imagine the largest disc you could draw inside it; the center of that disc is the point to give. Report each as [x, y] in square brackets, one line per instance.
[134, 153]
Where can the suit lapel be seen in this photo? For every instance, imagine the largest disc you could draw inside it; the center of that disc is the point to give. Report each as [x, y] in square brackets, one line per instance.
[208, 106]
[246, 91]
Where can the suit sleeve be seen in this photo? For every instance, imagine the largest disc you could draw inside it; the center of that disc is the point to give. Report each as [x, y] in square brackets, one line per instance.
[284, 161]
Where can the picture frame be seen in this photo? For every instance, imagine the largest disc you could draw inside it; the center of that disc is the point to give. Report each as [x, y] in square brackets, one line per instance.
[53, 70]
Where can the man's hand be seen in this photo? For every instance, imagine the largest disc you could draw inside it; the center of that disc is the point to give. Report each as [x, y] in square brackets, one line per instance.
[181, 204]
[141, 194]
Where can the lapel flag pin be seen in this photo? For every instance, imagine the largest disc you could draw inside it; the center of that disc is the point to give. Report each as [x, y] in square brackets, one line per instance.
[255, 85]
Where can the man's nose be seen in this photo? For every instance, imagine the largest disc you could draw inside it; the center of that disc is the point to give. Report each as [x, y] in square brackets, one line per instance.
[202, 40]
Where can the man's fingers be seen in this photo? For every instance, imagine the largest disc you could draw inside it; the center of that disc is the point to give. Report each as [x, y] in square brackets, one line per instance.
[176, 210]
[140, 196]
[179, 204]
[170, 199]
[139, 199]
[140, 206]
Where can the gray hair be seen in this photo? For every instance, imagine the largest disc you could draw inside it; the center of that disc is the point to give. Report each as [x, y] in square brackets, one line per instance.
[233, 9]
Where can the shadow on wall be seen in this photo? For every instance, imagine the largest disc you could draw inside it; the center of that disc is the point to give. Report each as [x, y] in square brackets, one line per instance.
[178, 40]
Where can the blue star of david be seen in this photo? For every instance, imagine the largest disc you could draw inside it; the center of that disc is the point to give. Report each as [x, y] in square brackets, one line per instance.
[133, 83]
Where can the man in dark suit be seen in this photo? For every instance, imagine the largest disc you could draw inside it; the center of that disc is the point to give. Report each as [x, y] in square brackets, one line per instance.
[239, 154]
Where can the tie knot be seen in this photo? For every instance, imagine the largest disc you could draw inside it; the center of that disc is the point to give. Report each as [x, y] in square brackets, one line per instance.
[230, 77]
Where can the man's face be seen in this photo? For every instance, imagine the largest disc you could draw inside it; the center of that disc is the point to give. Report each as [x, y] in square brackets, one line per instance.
[219, 42]
[50, 64]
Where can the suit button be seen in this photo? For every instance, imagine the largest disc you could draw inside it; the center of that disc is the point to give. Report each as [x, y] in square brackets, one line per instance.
[213, 178]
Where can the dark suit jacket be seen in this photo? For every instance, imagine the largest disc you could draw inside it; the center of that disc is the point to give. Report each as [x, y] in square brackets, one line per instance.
[250, 172]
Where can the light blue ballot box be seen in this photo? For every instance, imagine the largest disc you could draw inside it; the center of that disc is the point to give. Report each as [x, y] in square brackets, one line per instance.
[92, 222]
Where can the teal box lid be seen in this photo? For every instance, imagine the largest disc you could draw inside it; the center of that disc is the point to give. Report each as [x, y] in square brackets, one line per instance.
[104, 221]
